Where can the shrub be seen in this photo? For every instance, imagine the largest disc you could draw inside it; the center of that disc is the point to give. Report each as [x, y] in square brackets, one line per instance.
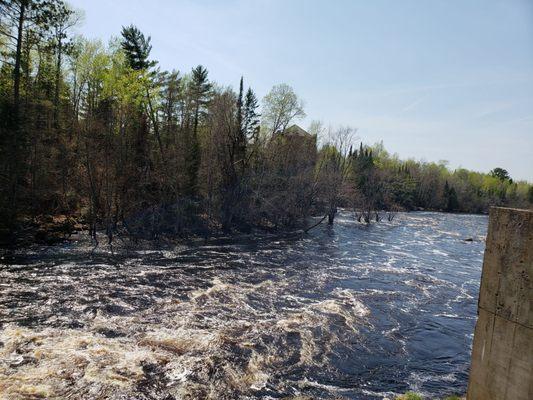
[410, 396]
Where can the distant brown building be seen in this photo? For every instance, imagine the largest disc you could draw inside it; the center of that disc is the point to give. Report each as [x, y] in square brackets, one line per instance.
[296, 131]
[291, 161]
[295, 146]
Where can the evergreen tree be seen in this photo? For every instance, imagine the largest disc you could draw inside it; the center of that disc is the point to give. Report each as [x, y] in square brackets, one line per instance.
[200, 89]
[79, 131]
[501, 174]
[251, 117]
[61, 20]
[365, 182]
[450, 198]
[137, 48]
[25, 29]
[200, 92]
[23, 19]
[170, 96]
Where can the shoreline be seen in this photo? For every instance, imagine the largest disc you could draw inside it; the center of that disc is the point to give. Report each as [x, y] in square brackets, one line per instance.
[56, 230]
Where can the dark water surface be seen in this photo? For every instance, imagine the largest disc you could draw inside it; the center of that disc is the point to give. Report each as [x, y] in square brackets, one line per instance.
[352, 312]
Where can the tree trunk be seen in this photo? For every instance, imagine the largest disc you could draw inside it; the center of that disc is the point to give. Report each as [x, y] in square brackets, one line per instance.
[331, 215]
[155, 123]
[57, 84]
[16, 72]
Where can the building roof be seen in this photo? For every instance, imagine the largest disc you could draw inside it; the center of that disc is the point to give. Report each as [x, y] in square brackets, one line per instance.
[295, 130]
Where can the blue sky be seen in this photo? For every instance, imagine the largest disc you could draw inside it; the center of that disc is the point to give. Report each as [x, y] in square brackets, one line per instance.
[435, 80]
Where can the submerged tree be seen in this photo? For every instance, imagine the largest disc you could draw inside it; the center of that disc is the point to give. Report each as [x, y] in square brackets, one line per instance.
[367, 183]
[333, 169]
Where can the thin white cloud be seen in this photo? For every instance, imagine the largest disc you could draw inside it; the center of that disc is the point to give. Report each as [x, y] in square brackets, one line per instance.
[495, 109]
[412, 105]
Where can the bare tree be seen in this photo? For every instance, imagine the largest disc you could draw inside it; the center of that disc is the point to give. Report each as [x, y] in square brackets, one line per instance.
[334, 168]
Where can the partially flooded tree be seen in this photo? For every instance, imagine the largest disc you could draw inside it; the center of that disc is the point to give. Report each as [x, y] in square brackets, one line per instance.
[334, 163]
[286, 188]
[365, 182]
[98, 135]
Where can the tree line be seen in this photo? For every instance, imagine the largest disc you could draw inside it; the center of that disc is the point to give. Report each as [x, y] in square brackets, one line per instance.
[98, 135]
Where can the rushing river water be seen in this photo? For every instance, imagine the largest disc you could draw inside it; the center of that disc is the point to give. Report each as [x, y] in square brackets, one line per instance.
[353, 312]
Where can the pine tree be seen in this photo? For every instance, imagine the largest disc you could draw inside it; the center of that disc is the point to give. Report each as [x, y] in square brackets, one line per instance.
[200, 89]
[137, 48]
[170, 101]
[62, 19]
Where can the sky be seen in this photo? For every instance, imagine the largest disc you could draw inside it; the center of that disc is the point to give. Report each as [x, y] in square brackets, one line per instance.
[434, 80]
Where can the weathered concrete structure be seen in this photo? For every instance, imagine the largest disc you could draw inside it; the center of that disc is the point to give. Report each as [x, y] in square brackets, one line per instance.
[502, 355]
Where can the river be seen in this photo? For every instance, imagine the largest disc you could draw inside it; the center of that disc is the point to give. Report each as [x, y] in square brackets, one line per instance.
[349, 312]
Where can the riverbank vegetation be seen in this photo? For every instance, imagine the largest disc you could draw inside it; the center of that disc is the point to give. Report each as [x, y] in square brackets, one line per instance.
[96, 136]
[415, 396]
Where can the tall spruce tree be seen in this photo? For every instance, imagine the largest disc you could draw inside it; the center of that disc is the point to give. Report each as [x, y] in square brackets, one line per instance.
[251, 116]
[200, 90]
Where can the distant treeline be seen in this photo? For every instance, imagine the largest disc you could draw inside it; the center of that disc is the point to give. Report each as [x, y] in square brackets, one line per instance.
[99, 135]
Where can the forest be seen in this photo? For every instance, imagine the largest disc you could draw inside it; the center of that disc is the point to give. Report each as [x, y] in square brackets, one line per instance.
[95, 136]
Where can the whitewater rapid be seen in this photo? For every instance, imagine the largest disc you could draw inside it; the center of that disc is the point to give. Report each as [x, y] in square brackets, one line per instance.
[352, 312]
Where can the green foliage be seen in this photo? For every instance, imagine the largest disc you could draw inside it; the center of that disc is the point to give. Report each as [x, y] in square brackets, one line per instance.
[97, 132]
[200, 86]
[500, 173]
[251, 116]
[281, 106]
[416, 396]
[365, 179]
[450, 198]
[137, 48]
[410, 396]
[200, 94]
[411, 184]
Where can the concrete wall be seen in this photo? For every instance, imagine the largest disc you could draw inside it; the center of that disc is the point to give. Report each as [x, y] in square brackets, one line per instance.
[502, 355]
